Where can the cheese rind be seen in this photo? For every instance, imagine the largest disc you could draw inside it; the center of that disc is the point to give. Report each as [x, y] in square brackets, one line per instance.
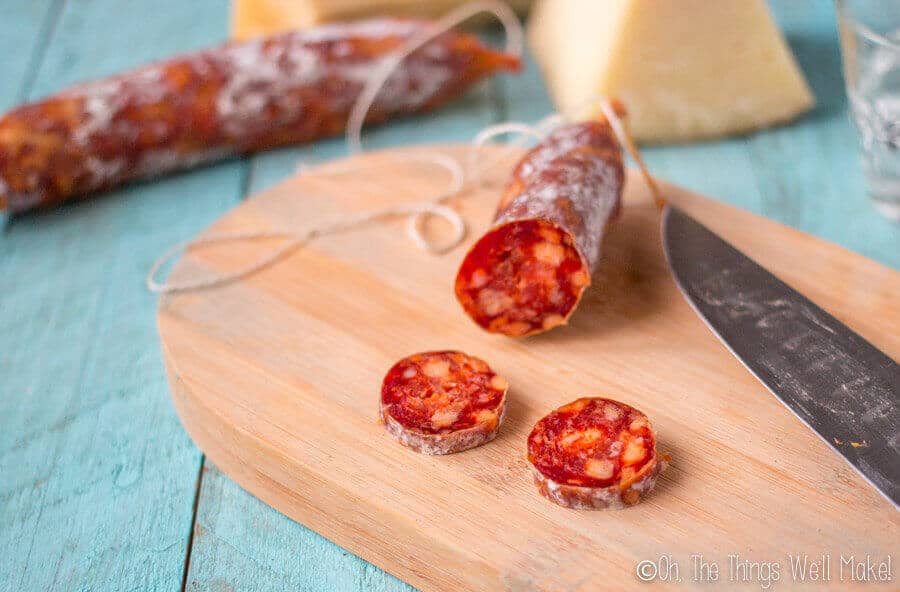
[685, 69]
[255, 18]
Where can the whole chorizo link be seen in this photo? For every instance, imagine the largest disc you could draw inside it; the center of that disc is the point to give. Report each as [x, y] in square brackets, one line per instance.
[234, 99]
[528, 272]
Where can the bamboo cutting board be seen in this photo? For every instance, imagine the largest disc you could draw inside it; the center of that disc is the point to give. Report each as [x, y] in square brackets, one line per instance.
[277, 379]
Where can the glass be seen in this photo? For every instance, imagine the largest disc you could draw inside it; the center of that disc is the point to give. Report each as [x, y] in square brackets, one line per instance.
[870, 44]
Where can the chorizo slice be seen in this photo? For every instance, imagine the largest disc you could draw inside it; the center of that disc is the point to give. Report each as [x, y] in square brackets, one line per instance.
[527, 274]
[442, 402]
[234, 99]
[593, 454]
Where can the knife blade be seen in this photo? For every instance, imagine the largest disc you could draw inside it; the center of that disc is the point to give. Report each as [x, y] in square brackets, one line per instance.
[836, 382]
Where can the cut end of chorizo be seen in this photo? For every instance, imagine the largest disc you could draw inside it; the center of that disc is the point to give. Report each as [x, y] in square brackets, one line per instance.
[522, 278]
[526, 275]
[594, 454]
[442, 402]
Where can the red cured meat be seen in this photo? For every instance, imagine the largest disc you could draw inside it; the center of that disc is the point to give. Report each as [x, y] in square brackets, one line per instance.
[594, 453]
[442, 402]
[234, 99]
[528, 272]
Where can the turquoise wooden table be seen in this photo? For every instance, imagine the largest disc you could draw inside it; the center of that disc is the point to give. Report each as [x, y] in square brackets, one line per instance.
[101, 488]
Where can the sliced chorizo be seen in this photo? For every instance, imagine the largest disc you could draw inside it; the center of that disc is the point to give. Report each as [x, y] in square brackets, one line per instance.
[594, 453]
[442, 402]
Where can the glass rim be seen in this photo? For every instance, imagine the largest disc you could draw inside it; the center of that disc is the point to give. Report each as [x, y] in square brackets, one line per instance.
[864, 29]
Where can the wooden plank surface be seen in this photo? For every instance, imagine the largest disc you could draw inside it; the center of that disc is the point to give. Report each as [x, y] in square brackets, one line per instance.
[281, 393]
[808, 174]
[70, 298]
[99, 478]
[24, 31]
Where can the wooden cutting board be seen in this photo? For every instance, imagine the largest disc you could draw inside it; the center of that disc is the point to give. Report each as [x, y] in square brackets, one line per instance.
[277, 379]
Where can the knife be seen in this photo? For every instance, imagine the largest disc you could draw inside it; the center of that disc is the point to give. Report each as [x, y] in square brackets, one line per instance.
[836, 382]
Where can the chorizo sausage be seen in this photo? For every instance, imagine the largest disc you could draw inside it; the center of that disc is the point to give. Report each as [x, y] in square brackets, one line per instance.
[234, 99]
[442, 402]
[528, 272]
[594, 453]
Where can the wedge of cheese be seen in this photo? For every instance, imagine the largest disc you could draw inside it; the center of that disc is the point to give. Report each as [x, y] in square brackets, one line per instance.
[685, 69]
[254, 18]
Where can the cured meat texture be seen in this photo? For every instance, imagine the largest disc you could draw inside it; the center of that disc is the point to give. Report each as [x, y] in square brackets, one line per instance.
[234, 99]
[528, 272]
[594, 453]
[442, 402]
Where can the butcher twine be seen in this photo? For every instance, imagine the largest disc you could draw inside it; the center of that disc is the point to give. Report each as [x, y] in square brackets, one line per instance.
[462, 176]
